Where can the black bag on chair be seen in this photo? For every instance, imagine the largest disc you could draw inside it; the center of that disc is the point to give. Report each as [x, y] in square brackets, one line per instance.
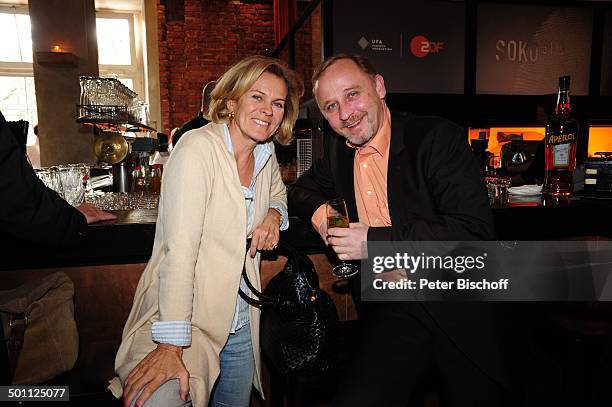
[299, 322]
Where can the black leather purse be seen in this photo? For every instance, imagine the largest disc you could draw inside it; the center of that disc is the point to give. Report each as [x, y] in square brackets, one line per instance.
[299, 322]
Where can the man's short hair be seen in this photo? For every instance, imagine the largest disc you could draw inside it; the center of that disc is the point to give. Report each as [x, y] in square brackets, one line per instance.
[362, 63]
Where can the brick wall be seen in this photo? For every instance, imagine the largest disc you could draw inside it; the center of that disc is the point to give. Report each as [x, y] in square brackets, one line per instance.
[198, 41]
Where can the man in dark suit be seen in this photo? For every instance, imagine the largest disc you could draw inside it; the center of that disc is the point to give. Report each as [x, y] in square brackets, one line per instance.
[403, 178]
[31, 211]
[200, 120]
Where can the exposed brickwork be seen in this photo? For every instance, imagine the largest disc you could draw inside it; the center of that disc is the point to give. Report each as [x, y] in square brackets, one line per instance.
[198, 41]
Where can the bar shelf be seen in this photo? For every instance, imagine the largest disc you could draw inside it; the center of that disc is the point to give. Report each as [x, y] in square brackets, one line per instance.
[110, 117]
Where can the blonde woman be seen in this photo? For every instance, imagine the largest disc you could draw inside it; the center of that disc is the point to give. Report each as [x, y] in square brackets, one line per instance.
[189, 338]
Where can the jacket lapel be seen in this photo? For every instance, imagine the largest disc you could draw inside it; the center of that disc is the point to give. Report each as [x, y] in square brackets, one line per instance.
[394, 166]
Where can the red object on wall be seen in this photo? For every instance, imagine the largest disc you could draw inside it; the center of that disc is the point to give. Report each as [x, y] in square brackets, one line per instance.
[285, 15]
[198, 41]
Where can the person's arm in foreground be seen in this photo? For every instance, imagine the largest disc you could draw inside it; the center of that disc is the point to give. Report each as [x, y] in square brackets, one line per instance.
[30, 210]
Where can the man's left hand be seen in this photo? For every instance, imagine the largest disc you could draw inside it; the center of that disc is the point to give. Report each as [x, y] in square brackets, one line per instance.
[93, 214]
[346, 242]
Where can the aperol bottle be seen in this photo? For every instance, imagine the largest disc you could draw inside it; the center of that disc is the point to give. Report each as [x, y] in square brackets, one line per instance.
[560, 145]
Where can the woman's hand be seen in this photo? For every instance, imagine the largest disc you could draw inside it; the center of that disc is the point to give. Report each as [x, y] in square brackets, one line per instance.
[162, 364]
[266, 235]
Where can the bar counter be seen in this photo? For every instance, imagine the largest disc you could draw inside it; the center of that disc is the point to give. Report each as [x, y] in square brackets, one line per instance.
[129, 239]
[536, 218]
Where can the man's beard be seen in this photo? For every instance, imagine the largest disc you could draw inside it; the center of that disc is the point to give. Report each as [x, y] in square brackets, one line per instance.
[366, 133]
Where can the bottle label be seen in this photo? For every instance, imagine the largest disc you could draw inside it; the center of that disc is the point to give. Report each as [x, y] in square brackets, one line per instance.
[554, 139]
[561, 155]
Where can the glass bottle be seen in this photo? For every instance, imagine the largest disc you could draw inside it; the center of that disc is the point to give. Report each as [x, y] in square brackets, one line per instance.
[479, 147]
[560, 145]
[84, 97]
[156, 176]
[142, 174]
[137, 179]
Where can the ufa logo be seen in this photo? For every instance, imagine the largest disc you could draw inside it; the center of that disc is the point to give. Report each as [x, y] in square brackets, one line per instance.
[420, 46]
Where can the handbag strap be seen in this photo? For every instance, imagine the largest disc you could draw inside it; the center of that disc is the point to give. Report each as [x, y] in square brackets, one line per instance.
[262, 300]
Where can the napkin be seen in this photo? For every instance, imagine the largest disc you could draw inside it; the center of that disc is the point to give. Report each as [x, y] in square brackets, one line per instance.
[526, 190]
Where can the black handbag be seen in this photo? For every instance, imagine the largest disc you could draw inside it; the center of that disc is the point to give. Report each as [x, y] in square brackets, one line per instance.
[299, 322]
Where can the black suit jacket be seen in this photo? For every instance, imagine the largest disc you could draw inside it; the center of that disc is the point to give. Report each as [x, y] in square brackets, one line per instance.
[195, 123]
[435, 192]
[28, 209]
[434, 185]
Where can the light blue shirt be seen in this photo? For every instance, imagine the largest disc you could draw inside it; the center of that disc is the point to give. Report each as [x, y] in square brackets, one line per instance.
[179, 332]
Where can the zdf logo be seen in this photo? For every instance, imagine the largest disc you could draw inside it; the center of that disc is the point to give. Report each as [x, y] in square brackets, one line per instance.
[420, 46]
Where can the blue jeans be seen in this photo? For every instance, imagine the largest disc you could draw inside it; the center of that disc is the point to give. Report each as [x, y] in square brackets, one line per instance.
[233, 387]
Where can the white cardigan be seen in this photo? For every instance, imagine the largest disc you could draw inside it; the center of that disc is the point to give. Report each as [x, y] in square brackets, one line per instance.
[198, 253]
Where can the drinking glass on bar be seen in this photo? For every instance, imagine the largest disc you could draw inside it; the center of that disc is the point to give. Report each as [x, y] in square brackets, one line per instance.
[50, 178]
[497, 190]
[337, 217]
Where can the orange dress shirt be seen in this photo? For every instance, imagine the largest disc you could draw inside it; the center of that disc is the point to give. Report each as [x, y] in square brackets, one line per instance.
[370, 180]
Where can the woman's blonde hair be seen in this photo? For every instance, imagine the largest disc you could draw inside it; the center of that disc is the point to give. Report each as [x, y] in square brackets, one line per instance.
[237, 80]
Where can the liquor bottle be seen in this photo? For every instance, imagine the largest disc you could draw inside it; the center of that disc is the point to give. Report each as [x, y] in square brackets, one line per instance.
[484, 157]
[560, 145]
[156, 176]
[488, 167]
[137, 179]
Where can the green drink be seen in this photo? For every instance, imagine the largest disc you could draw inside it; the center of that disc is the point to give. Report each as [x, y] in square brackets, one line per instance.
[337, 221]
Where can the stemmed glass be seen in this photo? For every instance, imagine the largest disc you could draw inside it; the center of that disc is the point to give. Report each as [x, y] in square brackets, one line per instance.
[337, 217]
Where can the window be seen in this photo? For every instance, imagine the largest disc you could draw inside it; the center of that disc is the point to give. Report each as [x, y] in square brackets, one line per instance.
[17, 44]
[17, 98]
[119, 55]
[17, 93]
[119, 51]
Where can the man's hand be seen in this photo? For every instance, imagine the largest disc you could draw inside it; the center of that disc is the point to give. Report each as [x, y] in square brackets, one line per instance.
[319, 221]
[161, 365]
[266, 235]
[322, 229]
[346, 242]
[93, 214]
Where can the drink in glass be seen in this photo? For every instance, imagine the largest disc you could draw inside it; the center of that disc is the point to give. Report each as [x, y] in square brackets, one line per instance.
[337, 217]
